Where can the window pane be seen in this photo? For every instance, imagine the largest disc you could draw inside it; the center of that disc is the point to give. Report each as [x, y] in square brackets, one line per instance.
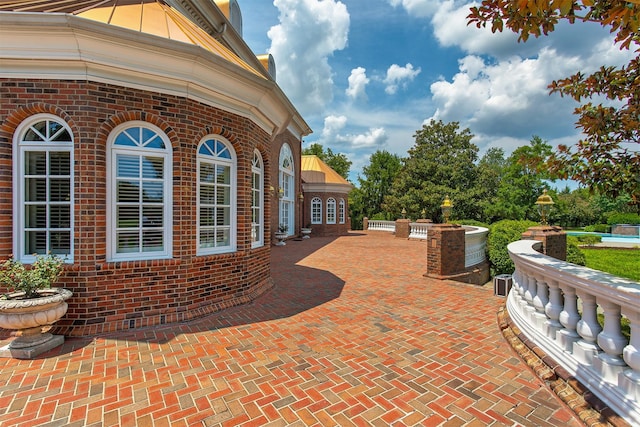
[207, 172]
[223, 196]
[152, 241]
[127, 166]
[35, 163]
[206, 217]
[37, 132]
[60, 164]
[35, 242]
[128, 191]
[152, 216]
[152, 167]
[35, 216]
[150, 139]
[60, 216]
[61, 136]
[222, 237]
[35, 190]
[127, 241]
[125, 139]
[59, 190]
[207, 239]
[60, 243]
[207, 194]
[128, 216]
[223, 174]
[152, 192]
[223, 216]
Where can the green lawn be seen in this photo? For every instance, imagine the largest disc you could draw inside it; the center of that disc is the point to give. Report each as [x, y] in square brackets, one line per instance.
[620, 262]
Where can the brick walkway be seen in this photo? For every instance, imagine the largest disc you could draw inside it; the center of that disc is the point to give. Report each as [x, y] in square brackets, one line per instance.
[352, 334]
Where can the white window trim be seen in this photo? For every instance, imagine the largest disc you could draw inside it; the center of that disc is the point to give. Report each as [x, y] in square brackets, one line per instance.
[318, 202]
[260, 171]
[342, 211]
[232, 246]
[19, 148]
[112, 255]
[331, 203]
[287, 206]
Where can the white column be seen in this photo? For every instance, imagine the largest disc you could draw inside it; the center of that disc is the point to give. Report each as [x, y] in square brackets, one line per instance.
[569, 318]
[630, 380]
[553, 310]
[610, 363]
[588, 328]
[540, 301]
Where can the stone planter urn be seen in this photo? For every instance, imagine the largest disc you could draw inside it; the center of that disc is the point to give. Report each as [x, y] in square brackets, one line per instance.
[31, 319]
[281, 236]
[305, 232]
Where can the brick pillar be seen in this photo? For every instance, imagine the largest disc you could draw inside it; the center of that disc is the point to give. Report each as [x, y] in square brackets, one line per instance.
[554, 240]
[445, 251]
[403, 228]
[365, 223]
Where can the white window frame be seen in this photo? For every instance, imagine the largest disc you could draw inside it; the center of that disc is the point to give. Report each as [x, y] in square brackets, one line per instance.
[331, 210]
[257, 200]
[316, 210]
[167, 187]
[286, 182]
[214, 159]
[342, 211]
[47, 145]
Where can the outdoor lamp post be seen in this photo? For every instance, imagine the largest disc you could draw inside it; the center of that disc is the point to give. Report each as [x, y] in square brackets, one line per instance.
[446, 207]
[424, 213]
[404, 213]
[544, 202]
[280, 192]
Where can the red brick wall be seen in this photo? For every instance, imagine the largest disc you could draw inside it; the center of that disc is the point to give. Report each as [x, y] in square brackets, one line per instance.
[112, 296]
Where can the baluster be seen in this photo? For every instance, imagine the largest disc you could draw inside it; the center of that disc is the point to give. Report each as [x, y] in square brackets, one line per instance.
[588, 328]
[610, 363]
[540, 300]
[524, 284]
[529, 295]
[553, 310]
[569, 318]
[630, 382]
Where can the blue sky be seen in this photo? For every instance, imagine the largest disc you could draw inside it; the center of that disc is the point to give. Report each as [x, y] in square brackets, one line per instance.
[367, 74]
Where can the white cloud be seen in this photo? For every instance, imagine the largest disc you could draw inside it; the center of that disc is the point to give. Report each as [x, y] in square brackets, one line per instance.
[398, 76]
[417, 8]
[310, 31]
[332, 135]
[333, 125]
[358, 81]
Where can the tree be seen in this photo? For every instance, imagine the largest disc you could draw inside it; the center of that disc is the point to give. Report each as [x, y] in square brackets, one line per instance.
[608, 158]
[337, 161]
[521, 183]
[377, 180]
[490, 169]
[441, 163]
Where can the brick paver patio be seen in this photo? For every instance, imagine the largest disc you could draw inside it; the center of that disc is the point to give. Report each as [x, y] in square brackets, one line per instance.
[352, 334]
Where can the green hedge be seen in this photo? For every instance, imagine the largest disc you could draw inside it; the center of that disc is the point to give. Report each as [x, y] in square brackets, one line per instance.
[598, 228]
[501, 234]
[623, 218]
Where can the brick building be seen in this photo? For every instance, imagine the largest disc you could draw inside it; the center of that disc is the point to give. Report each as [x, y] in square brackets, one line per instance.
[143, 141]
[325, 198]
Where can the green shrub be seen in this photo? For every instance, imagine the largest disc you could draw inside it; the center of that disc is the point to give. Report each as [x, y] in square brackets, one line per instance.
[574, 254]
[501, 234]
[598, 228]
[471, 222]
[623, 218]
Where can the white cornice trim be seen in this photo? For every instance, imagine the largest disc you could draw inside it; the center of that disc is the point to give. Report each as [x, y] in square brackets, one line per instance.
[59, 46]
[326, 188]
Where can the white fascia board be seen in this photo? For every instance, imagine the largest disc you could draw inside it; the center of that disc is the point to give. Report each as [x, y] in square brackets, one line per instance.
[80, 49]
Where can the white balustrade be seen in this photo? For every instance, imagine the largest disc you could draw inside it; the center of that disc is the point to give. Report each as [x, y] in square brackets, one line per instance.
[380, 225]
[419, 230]
[475, 245]
[570, 332]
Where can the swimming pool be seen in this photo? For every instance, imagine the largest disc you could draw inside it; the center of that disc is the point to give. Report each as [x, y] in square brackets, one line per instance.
[608, 237]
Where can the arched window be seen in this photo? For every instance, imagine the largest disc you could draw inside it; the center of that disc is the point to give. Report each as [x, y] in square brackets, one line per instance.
[216, 196]
[342, 211]
[286, 190]
[316, 210]
[257, 200]
[331, 210]
[139, 193]
[43, 188]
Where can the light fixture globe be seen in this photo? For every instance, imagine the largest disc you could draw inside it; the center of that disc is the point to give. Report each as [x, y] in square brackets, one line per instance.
[544, 203]
[446, 207]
